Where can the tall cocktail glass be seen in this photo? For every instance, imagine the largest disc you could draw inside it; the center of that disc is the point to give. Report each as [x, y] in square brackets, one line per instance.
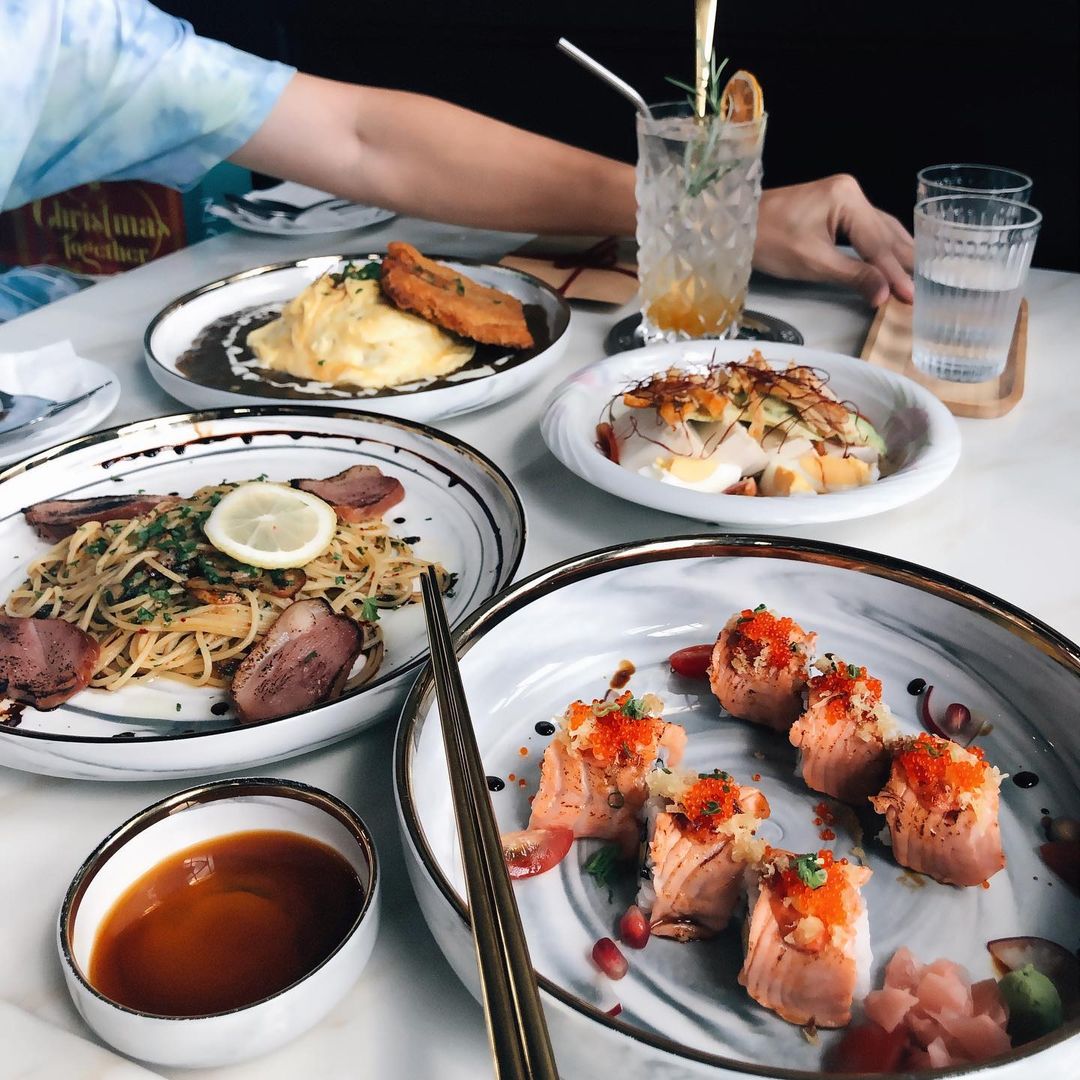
[698, 188]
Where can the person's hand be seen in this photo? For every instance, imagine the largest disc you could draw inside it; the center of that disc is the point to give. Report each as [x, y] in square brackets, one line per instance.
[797, 233]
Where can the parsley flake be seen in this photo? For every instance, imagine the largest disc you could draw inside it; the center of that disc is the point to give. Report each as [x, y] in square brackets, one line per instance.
[601, 867]
[370, 610]
[811, 873]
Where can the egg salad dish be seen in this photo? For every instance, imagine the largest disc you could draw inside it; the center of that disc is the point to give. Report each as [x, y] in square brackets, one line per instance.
[742, 429]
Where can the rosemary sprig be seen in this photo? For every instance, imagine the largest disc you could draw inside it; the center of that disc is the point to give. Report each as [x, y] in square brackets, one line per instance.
[713, 91]
[700, 169]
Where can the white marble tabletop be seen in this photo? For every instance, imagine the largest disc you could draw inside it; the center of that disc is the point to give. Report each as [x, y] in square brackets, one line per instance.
[1007, 520]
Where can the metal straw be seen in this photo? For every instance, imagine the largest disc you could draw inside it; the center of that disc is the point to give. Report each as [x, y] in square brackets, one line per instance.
[624, 88]
[705, 29]
[517, 1031]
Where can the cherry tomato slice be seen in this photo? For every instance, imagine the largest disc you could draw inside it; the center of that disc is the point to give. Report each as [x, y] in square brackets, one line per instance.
[692, 662]
[532, 851]
[869, 1049]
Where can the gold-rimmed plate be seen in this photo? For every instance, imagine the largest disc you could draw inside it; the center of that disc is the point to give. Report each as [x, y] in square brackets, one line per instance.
[563, 633]
[196, 347]
[459, 509]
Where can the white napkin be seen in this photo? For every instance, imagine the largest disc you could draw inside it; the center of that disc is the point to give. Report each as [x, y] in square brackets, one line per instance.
[34, 1049]
[58, 373]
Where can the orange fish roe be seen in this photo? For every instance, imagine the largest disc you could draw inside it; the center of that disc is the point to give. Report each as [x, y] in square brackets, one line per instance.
[756, 777]
[841, 684]
[931, 770]
[829, 902]
[827, 834]
[512, 777]
[523, 751]
[710, 801]
[761, 630]
[616, 738]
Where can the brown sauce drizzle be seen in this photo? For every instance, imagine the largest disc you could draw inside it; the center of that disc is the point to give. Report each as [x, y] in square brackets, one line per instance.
[622, 676]
[207, 361]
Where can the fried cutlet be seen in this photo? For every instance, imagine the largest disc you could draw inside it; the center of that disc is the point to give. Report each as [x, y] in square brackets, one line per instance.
[450, 300]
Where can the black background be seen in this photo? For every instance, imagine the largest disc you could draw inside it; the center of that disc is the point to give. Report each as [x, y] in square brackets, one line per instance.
[874, 89]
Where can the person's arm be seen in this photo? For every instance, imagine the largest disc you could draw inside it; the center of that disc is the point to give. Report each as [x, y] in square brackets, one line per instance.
[431, 159]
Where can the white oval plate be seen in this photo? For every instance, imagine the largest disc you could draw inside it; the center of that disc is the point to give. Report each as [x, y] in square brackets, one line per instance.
[461, 506]
[246, 299]
[921, 435]
[561, 634]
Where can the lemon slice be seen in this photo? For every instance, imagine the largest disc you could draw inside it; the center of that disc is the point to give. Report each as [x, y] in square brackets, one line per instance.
[271, 526]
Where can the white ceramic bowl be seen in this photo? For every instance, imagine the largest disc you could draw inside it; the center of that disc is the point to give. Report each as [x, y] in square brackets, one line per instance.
[921, 435]
[494, 374]
[175, 823]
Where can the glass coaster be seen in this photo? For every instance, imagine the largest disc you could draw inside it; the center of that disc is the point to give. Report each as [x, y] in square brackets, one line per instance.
[626, 333]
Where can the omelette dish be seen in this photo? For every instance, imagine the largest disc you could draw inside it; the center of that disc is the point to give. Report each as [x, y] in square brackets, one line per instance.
[342, 330]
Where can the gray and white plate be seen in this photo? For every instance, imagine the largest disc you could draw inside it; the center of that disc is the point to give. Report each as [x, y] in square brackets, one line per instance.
[561, 635]
[459, 509]
[196, 348]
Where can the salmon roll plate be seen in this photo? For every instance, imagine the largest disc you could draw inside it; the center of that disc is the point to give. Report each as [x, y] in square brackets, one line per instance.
[807, 937]
[844, 733]
[941, 808]
[700, 835]
[759, 667]
[593, 778]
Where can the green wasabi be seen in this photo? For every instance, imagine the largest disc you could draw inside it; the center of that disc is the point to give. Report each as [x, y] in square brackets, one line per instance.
[1034, 1004]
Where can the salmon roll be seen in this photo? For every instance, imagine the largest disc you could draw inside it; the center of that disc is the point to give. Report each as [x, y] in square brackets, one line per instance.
[844, 733]
[807, 937]
[759, 667]
[593, 775]
[941, 807]
[700, 837]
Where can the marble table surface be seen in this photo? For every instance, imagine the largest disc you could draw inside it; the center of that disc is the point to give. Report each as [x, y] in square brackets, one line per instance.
[1007, 520]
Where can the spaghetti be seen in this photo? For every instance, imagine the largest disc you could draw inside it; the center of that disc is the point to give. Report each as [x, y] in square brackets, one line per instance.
[161, 600]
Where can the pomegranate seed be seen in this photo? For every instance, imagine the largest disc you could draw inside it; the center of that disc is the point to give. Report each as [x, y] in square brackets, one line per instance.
[614, 1010]
[607, 957]
[634, 928]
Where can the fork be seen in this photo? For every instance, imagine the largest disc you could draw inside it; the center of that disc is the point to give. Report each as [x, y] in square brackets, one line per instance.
[19, 411]
[270, 209]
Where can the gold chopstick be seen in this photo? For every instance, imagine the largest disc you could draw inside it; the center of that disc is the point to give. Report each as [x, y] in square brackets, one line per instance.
[516, 1027]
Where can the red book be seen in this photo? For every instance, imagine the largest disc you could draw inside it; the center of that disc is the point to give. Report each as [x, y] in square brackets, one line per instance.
[99, 228]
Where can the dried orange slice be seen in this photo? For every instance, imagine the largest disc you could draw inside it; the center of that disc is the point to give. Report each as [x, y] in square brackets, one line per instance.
[742, 99]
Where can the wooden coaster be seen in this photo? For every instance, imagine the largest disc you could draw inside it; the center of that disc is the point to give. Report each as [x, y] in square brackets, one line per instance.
[888, 344]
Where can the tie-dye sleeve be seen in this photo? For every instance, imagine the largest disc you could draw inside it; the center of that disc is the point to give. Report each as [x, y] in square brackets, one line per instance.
[118, 90]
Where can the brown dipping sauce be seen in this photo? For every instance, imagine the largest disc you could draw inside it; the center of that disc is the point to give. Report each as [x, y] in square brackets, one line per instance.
[207, 360]
[225, 923]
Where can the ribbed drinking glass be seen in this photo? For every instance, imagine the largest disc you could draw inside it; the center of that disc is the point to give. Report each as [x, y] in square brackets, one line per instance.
[972, 255]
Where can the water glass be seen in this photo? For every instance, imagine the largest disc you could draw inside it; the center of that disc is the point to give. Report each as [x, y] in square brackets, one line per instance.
[937, 180]
[698, 188]
[972, 254]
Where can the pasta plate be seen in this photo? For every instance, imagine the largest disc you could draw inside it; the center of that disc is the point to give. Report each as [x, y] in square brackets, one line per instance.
[459, 509]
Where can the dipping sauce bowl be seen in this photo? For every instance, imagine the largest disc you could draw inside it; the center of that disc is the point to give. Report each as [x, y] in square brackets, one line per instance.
[221, 922]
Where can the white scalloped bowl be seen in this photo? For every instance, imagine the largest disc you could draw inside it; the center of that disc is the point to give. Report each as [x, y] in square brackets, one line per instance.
[922, 437]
